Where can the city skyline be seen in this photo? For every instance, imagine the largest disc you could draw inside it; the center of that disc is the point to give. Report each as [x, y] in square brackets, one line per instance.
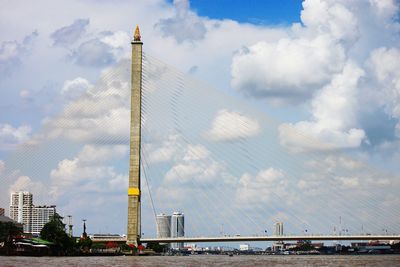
[321, 69]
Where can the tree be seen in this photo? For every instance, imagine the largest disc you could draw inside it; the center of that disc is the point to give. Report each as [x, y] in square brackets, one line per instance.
[85, 244]
[54, 231]
[156, 247]
[97, 246]
[8, 231]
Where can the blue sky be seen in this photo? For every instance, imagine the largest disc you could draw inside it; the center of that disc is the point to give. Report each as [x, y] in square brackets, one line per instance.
[252, 11]
[314, 84]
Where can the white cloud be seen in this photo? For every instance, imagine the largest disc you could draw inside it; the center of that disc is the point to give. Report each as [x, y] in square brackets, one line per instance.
[292, 68]
[385, 8]
[164, 152]
[196, 152]
[93, 53]
[94, 128]
[289, 68]
[332, 17]
[334, 110]
[103, 50]
[340, 171]
[348, 182]
[25, 94]
[12, 53]
[89, 171]
[185, 25]
[332, 162]
[304, 64]
[231, 125]
[261, 188]
[91, 154]
[100, 113]
[93, 48]
[39, 190]
[194, 167]
[10, 137]
[70, 34]
[76, 87]
[117, 40]
[385, 64]
[2, 166]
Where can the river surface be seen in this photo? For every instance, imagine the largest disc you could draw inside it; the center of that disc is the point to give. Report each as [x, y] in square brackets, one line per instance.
[206, 260]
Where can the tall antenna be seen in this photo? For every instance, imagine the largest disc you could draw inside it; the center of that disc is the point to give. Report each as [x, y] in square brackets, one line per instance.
[70, 225]
[84, 234]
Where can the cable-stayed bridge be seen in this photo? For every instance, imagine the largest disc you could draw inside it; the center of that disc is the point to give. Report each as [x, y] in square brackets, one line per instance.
[230, 167]
[258, 238]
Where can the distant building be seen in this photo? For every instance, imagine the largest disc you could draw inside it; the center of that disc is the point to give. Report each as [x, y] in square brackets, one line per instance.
[278, 231]
[40, 216]
[21, 209]
[278, 228]
[114, 237]
[163, 225]
[244, 247]
[32, 217]
[1, 212]
[177, 228]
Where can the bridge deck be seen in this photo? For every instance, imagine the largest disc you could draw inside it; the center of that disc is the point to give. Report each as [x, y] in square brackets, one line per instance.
[261, 238]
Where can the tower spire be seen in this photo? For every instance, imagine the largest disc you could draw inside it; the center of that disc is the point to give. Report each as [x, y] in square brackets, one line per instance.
[136, 36]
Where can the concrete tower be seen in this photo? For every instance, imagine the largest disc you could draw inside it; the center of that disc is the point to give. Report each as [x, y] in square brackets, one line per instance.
[177, 228]
[278, 228]
[133, 234]
[163, 225]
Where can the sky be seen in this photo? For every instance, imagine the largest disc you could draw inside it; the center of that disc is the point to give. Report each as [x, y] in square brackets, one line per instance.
[284, 102]
[254, 12]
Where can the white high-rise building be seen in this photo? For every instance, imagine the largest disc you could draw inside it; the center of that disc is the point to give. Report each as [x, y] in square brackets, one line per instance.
[21, 209]
[40, 216]
[278, 231]
[163, 225]
[278, 228]
[177, 228]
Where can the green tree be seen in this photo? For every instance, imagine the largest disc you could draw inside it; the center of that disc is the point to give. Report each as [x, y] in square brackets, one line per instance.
[98, 246]
[156, 247]
[54, 231]
[8, 231]
[85, 244]
[306, 246]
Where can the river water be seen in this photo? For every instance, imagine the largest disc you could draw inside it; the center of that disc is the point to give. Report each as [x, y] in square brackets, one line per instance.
[207, 260]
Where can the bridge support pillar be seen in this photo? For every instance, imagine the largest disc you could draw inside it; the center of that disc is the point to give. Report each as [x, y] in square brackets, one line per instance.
[134, 229]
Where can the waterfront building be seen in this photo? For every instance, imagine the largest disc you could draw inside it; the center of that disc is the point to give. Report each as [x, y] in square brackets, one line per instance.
[177, 228]
[163, 225]
[21, 209]
[244, 247]
[113, 237]
[1, 212]
[40, 216]
[32, 217]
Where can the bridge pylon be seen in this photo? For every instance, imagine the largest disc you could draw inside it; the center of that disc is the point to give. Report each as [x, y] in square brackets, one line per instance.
[133, 232]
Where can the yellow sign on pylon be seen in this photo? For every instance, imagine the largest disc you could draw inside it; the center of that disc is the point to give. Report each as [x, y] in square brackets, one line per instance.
[133, 191]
